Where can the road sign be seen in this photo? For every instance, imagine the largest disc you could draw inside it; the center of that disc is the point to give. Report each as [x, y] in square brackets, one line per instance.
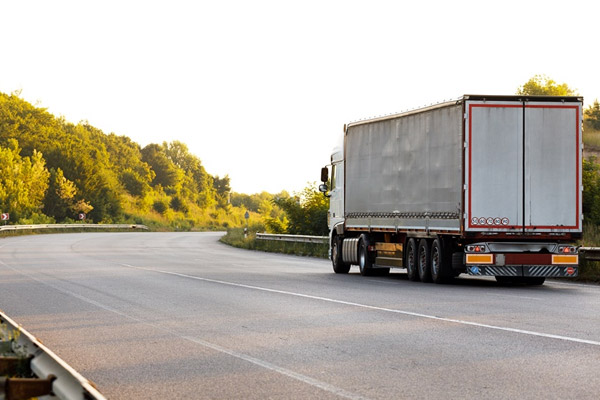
[5, 216]
[247, 215]
[81, 216]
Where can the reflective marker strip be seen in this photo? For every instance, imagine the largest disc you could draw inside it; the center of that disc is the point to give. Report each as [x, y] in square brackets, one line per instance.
[564, 259]
[480, 259]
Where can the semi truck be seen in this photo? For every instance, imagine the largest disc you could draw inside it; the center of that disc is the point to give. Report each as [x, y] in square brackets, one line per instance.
[487, 185]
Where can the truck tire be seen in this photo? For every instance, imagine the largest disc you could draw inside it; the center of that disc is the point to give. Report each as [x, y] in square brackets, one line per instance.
[339, 266]
[458, 265]
[365, 264]
[424, 261]
[412, 270]
[439, 262]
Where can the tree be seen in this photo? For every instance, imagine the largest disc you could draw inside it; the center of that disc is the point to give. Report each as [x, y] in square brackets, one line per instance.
[23, 181]
[592, 116]
[167, 173]
[134, 183]
[591, 191]
[543, 85]
[197, 183]
[113, 173]
[60, 196]
[223, 188]
[306, 212]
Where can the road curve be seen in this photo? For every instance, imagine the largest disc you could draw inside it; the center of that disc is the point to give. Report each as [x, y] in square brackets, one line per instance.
[180, 315]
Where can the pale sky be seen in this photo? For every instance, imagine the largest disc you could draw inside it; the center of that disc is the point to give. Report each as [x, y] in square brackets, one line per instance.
[260, 90]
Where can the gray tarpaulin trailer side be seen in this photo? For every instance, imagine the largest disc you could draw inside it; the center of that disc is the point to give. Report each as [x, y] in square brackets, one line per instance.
[488, 185]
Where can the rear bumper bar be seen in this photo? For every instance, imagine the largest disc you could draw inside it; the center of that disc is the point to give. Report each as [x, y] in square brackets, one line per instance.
[550, 271]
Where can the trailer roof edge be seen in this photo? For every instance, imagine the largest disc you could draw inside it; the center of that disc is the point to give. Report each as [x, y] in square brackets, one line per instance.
[515, 97]
[404, 113]
[479, 97]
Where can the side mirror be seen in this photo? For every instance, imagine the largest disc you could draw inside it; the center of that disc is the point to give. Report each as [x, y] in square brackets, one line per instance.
[324, 189]
[324, 174]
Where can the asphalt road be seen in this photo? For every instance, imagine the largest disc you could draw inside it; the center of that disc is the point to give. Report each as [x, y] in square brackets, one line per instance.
[180, 315]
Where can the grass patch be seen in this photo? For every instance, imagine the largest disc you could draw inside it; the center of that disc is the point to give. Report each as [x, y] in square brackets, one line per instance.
[589, 270]
[591, 139]
[235, 237]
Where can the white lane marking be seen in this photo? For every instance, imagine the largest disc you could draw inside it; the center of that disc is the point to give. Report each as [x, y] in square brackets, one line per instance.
[366, 306]
[302, 378]
[256, 361]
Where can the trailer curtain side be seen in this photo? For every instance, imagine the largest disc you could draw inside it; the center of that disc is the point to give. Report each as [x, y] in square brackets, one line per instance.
[405, 171]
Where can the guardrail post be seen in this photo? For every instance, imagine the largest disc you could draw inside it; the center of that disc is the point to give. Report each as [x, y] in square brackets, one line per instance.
[25, 388]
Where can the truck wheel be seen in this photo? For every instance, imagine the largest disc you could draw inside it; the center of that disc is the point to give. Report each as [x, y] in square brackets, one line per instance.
[439, 263]
[364, 262]
[339, 266]
[411, 260]
[457, 266]
[424, 261]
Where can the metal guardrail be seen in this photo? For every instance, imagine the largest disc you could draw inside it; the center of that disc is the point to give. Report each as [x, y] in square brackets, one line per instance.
[293, 238]
[590, 253]
[71, 226]
[22, 354]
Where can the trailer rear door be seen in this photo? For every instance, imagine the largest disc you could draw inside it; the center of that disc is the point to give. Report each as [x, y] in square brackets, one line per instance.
[522, 166]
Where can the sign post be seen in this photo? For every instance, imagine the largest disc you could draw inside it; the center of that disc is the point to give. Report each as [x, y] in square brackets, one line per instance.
[247, 216]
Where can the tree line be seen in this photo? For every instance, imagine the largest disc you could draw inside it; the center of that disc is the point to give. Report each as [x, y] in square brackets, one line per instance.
[52, 170]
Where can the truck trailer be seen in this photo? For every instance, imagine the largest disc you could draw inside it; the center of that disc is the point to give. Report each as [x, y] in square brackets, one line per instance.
[482, 185]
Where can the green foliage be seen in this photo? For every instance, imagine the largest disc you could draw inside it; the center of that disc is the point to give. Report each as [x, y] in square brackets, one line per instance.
[249, 202]
[109, 177]
[591, 191]
[235, 237]
[134, 183]
[179, 204]
[59, 202]
[543, 85]
[160, 205]
[36, 219]
[23, 181]
[306, 212]
[591, 116]
[167, 173]
[276, 225]
[112, 179]
[223, 190]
